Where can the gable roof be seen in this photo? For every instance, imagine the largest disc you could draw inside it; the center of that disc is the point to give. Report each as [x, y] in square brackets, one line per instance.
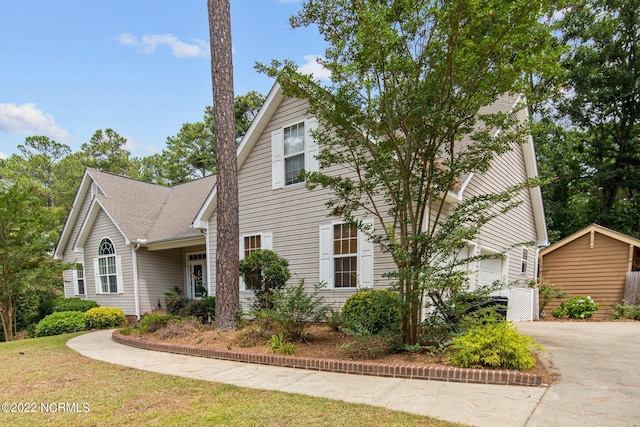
[143, 212]
[505, 103]
[593, 228]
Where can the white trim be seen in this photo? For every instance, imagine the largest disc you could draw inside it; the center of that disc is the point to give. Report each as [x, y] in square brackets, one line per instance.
[210, 290]
[136, 291]
[187, 272]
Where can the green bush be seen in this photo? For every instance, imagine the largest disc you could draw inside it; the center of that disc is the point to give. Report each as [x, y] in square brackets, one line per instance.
[61, 322]
[209, 307]
[153, 322]
[264, 272]
[105, 317]
[559, 312]
[579, 307]
[176, 303]
[372, 311]
[498, 345]
[74, 304]
[195, 308]
[293, 308]
[626, 311]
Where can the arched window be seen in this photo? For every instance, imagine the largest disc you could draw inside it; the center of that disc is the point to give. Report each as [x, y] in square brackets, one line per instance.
[107, 268]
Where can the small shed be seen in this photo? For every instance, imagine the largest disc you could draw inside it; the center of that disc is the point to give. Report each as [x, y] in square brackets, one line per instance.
[594, 261]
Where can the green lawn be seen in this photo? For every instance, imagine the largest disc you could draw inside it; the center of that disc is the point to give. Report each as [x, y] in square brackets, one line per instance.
[37, 374]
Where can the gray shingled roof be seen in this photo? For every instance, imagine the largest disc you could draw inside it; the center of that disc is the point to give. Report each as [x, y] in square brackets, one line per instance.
[149, 211]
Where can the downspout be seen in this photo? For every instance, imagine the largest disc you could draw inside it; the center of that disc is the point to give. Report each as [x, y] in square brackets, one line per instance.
[136, 296]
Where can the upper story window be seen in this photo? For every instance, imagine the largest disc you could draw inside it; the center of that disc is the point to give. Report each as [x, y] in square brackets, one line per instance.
[107, 268]
[293, 150]
[293, 153]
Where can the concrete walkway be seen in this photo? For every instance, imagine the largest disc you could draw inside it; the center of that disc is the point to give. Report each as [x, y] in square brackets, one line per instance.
[474, 404]
[599, 364]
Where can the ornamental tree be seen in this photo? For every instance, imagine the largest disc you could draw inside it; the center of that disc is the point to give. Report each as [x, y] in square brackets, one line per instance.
[404, 114]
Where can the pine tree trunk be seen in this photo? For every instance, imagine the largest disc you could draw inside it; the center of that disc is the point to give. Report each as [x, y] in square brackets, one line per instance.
[227, 246]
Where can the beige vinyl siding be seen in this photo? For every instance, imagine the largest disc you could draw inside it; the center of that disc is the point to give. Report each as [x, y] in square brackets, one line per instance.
[158, 272]
[599, 272]
[514, 227]
[69, 256]
[103, 227]
[293, 214]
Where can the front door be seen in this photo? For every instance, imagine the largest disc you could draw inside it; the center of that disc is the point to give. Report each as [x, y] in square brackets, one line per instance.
[197, 276]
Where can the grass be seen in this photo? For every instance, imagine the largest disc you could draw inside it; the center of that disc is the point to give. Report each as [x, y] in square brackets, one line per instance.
[45, 371]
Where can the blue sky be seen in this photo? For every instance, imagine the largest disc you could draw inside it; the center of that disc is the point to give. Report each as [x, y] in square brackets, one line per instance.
[139, 67]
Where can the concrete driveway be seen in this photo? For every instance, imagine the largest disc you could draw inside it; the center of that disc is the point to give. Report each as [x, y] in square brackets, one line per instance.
[599, 364]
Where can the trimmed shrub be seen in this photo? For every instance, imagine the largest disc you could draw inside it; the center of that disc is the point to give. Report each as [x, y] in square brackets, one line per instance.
[176, 304]
[498, 345]
[105, 317]
[153, 322]
[195, 308]
[264, 272]
[61, 322]
[74, 304]
[372, 311]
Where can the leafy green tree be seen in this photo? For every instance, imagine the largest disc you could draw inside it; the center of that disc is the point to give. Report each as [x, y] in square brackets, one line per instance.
[409, 79]
[25, 244]
[190, 154]
[602, 101]
[106, 151]
[246, 107]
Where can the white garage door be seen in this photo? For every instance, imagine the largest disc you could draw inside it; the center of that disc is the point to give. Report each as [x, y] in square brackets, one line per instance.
[490, 270]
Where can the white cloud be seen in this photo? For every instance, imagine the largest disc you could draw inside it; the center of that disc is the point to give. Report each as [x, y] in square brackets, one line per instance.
[3, 156]
[312, 66]
[150, 42]
[132, 145]
[26, 119]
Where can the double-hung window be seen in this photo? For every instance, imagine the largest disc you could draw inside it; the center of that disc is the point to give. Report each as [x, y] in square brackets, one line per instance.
[249, 243]
[108, 269]
[523, 260]
[346, 256]
[293, 150]
[293, 153]
[79, 279]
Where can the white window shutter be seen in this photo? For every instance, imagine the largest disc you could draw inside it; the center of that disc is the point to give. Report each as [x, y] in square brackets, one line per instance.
[365, 258]
[96, 273]
[326, 254]
[240, 257]
[311, 164]
[119, 274]
[266, 241]
[277, 159]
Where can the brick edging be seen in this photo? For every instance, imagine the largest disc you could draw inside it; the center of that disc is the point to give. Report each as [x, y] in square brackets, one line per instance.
[434, 373]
